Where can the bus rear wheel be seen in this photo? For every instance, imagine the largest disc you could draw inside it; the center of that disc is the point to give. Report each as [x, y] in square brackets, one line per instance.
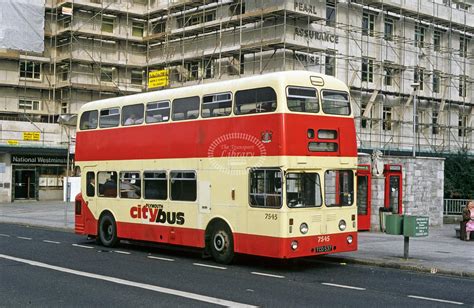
[221, 244]
[108, 231]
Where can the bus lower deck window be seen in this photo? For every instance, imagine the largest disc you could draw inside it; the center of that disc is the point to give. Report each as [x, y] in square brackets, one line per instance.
[155, 185]
[183, 185]
[265, 188]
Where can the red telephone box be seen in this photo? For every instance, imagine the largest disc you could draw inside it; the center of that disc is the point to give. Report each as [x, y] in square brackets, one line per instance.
[364, 193]
[393, 188]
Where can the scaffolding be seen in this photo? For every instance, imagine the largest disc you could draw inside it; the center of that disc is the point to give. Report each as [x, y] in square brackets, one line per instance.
[381, 48]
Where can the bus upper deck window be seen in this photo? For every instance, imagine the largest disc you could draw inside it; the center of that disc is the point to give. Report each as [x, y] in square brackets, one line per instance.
[336, 102]
[216, 105]
[158, 112]
[302, 99]
[185, 108]
[132, 114]
[255, 101]
[89, 120]
[109, 117]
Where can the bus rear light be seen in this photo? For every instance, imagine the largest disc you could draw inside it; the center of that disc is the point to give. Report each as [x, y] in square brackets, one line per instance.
[353, 217]
[78, 207]
[349, 239]
[294, 245]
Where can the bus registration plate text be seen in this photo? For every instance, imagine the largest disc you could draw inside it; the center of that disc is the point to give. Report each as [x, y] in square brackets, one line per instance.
[325, 248]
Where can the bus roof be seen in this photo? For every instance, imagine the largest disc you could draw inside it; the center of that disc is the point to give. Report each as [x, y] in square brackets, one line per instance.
[285, 77]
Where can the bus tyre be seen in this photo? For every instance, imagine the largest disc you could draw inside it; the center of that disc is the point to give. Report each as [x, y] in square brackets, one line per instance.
[221, 244]
[108, 231]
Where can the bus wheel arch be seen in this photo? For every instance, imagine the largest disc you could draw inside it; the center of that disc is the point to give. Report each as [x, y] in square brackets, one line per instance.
[107, 229]
[220, 241]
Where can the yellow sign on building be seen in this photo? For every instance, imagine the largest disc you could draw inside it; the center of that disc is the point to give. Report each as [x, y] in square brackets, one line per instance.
[158, 79]
[12, 142]
[31, 136]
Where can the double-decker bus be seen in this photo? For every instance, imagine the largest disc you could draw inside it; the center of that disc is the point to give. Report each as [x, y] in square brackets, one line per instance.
[261, 165]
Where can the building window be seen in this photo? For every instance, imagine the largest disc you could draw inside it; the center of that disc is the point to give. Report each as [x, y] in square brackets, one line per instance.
[330, 63]
[367, 70]
[436, 81]
[137, 77]
[24, 104]
[331, 13]
[463, 46]
[106, 74]
[388, 76]
[389, 29]
[208, 68]
[138, 29]
[365, 121]
[196, 18]
[462, 131]
[419, 36]
[157, 27]
[387, 118]
[418, 77]
[192, 69]
[437, 40]
[108, 24]
[29, 69]
[462, 86]
[368, 23]
[434, 120]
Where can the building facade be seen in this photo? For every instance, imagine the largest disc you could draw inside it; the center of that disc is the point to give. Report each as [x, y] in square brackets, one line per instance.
[409, 64]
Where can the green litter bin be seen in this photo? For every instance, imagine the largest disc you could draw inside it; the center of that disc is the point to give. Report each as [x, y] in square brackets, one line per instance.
[394, 224]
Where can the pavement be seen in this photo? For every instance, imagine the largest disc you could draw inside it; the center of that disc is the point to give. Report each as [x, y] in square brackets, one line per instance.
[439, 253]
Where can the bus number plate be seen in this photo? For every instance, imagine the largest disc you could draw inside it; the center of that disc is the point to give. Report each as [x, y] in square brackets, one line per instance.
[326, 248]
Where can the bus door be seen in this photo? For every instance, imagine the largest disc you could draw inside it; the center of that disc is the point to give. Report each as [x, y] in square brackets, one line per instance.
[393, 188]
[364, 193]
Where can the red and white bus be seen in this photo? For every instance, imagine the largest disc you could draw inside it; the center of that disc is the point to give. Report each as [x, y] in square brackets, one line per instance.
[262, 165]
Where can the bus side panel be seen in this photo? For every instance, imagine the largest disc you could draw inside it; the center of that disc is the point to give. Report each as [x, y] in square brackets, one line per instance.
[275, 247]
[85, 222]
[161, 234]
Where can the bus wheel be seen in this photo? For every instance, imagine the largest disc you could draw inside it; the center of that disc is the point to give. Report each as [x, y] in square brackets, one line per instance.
[222, 244]
[108, 230]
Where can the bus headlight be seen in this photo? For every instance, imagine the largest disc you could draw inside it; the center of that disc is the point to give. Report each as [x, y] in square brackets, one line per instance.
[294, 245]
[342, 225]
[349, 239]
[304, 228]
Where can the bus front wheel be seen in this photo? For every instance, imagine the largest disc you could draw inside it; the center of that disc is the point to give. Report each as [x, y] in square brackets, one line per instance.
[222, 244]
[108, 231]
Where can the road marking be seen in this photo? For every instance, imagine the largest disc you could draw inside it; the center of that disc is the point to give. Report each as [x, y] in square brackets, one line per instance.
[4, 235]
[189, 295]
[267, 275]
[436, 300]
[122, 252]
[82, 246]
[210, 266]
[342, 286]
[24, 238]
[51, 242]
[159, 258]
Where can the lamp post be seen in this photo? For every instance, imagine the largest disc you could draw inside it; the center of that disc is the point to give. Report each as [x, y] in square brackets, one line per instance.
[415, 86]
[67, 121]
